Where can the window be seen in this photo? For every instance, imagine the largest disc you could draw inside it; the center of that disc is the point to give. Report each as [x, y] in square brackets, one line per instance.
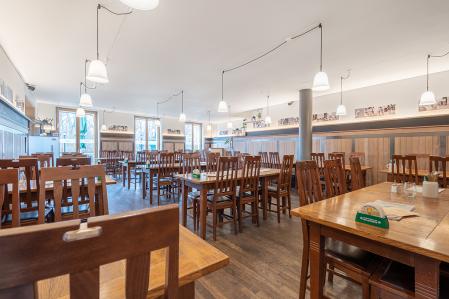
[193, 134]
[77, 134]
[147, 133]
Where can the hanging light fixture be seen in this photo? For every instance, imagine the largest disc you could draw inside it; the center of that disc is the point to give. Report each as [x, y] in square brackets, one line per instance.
[141, 4]
[103, 126]
[97, 69]
[321, 81]
[428, 97]
[209, 126]
[341, 109]
[222, 106]
[182, 116]
[80, 112]
[268, 117]
[85, 98]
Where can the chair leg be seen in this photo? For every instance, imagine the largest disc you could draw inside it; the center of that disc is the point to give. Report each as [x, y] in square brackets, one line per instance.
[330, 274]
[304, 271]
[284, 204]
[194, 214]
[234, 215]
[366, 289]
[278, 208]
[256, 211]
[289, 206]
[239, 211]
[158, 195]
[214, 226]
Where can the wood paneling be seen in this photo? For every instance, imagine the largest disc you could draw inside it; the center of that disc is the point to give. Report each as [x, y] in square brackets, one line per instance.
[338, 145]
[421, 146]
[377, 155]
[287, 147]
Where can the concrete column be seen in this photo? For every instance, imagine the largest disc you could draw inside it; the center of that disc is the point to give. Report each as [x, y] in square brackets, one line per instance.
[305, 124]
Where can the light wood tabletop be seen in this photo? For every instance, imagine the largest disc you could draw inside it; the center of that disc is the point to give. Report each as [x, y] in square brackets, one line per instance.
[206, 182]
[420, 242]
[197, 258]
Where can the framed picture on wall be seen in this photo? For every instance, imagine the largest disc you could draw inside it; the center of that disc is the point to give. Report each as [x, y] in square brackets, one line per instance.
[441, 104]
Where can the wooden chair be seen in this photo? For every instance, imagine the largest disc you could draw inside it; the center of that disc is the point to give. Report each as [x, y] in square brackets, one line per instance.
[165, 175]
[190, 162]
[69, 199]
[82, 248]
[355, 264]
[73, 161]
[224, 195]
[337, 155]
[334, 177]
[359, 155]
[405, 169]
[281, 191]
[29, 206]
[265, 160]
[437, 163]
[357, 178]
[248, 190]
[44, 159]
[275, 161]
[319, 159]
[212, 161]
[10, 177]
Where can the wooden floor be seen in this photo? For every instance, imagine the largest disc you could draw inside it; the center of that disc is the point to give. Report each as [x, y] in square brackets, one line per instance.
[264, 261]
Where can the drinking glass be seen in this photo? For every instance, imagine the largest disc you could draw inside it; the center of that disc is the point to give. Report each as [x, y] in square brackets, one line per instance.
[410, 189]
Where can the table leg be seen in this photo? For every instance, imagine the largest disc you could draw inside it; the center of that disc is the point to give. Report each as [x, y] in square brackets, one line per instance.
[317, 271]
[203, 212]
[123, 174]
[265, 182]
[150, 180]
[144, 184]
[185, 192]
[129, 177]
[187, 291]
[427, 277]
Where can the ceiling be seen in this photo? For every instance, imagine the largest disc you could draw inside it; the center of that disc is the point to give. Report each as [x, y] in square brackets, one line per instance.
[185, 45]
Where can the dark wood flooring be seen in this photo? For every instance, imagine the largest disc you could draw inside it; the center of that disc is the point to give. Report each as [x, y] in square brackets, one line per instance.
[264, 261]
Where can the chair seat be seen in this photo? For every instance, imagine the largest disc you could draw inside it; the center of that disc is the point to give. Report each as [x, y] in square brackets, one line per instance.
[272, 188]
[221, 199]
[197, 194]
[349, 253]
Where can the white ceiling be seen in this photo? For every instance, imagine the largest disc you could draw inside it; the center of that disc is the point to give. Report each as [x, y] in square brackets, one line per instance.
[184, 44]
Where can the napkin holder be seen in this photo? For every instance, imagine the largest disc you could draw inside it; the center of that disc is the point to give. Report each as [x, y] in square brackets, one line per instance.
[372, 214]
[430, 189]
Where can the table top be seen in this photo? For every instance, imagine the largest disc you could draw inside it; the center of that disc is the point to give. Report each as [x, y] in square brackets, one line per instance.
[49, 184]
[197, 258]
[211, 178]
[425, 235]
[421, 172]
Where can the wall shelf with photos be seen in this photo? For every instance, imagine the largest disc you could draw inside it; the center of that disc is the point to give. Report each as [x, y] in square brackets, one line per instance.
[441, 104]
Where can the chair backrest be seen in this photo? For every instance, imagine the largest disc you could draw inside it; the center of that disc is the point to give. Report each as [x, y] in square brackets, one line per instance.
[319, 159]
[141, 157]
[10, 177]
[190, 162]
[357, 179]
[31, 172]
[334, 177]
[275, 161]
[359, 155]
[73, 161]
[405, 168]
[44, 159]
[437, 163]
[285, 175]
[226, 177]
[265, 160]
[142, 231]
[166, 165]
[212, 161]
[308, 182]
[178, 156]
[62, 177]
[337, 155]
[49, 154]
[250, 176]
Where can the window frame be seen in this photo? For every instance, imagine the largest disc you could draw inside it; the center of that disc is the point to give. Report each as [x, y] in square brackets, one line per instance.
[192, 124]
[147, 118]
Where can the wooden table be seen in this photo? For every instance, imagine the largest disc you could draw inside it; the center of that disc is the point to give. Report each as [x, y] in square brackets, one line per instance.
[152, 171]
[206, 183]
[126, 170]
[420, 242]
[49, 185]
[196, 259]
[421, 174]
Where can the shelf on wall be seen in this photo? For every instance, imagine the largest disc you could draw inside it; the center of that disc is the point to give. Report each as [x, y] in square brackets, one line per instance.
[117, 132]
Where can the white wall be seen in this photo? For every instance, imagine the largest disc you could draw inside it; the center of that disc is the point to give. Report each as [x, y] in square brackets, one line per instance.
[404, 93]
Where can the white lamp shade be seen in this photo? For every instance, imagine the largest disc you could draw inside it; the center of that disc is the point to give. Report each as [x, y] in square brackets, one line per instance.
[97, 72]
[427, 98]
[157, 122]
[341, 110]
[104, 127]
[85, 100]
[320, 82]
[182, 117]
[209, 127]
[80, 112]
[222, 107]
[229, 125]
[141, 4]
[268, 119]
